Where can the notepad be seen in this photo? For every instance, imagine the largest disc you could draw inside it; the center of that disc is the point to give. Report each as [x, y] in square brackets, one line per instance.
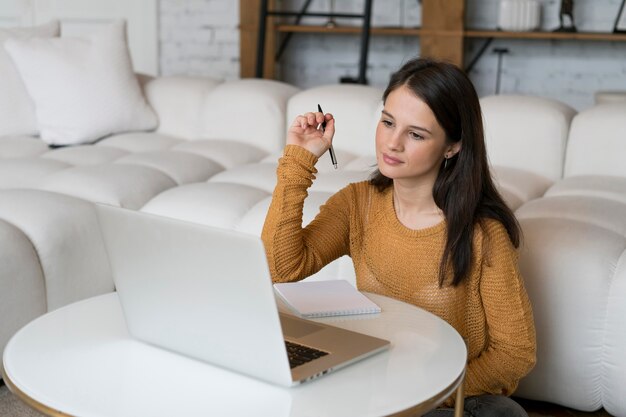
[325, 298]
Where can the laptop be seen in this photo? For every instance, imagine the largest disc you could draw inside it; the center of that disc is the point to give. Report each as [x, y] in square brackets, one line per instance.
[206, 293]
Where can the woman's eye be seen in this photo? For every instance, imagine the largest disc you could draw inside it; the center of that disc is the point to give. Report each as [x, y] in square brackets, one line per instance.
[386, 123]
[415, 135]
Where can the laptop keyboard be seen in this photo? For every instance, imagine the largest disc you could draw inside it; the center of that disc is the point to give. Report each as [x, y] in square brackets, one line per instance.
[299, 354]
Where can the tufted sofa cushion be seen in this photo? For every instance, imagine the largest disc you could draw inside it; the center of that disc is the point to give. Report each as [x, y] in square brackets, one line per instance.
[613, 374]
[178, 101]
[574, 286]
[516, 127]
[594, 185]
[526, 139]
[356, 109]
[249, 111]
[596, 140]
[129, 169]
[21, 146]
[574, 263]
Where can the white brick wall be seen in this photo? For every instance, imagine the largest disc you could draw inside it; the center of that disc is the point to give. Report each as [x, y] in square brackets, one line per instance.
[200, 37]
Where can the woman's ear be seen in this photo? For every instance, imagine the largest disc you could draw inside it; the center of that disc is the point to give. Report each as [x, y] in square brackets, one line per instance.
[453, 149]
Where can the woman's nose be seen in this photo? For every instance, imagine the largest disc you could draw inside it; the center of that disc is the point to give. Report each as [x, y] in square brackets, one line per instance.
[394, 142]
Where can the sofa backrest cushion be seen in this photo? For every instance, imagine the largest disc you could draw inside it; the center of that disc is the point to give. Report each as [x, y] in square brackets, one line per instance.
[528, 133]
[178, 103]
[597, 143]
[247, 110]
[356, 109]
[17, 110]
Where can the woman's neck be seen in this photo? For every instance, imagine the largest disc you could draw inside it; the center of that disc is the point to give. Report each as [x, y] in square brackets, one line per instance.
[415, 206]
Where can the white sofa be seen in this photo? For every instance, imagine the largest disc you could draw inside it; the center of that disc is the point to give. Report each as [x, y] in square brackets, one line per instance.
[212, 161]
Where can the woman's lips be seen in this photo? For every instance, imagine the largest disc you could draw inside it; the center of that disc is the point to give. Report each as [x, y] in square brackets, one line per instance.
[390, 160]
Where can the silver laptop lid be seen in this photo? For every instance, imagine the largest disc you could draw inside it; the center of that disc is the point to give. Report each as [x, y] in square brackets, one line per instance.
[198, 290]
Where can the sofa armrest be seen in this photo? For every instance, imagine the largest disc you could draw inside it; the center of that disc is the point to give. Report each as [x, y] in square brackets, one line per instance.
[22, 286]
[65, 236]
[178, 102]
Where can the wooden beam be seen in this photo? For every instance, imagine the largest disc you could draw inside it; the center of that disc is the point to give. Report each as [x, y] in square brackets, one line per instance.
[248, 28]
[443, 25]
[249, 12]
[443, 48]
[443, 15]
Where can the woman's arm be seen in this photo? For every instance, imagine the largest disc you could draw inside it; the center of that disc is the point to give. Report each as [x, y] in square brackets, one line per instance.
[511, 349]
[294, 253]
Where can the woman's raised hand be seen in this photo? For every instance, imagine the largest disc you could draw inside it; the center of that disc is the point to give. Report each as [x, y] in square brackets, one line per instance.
[304, 132]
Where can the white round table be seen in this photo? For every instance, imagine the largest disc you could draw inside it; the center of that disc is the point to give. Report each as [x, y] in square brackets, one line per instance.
[80, 361]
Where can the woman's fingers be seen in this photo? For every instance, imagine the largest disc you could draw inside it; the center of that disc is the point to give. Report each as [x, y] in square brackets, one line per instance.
[329, 132]
[309, 120]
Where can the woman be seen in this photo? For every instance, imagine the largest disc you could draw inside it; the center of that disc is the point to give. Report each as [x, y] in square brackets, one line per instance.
[428, 228]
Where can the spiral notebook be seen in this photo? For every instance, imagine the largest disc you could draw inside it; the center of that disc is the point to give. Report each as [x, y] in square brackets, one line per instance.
[325, 298]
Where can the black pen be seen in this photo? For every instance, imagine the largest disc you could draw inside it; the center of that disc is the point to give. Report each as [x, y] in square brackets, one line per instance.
[333, 159]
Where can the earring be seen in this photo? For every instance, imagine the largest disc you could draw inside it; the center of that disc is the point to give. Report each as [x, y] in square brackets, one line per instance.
[445, 164]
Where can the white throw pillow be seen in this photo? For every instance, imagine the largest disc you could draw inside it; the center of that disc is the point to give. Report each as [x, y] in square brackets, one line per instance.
[83, 88]
[17, 110]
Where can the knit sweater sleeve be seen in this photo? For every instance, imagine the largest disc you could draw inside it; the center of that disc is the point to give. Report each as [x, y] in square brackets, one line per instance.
[511, 350]
[294, 252]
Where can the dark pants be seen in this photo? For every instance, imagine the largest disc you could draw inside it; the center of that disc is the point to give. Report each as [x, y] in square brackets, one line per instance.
[484, 406]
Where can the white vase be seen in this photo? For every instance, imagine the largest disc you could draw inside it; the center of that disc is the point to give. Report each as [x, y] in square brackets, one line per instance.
[519, 15]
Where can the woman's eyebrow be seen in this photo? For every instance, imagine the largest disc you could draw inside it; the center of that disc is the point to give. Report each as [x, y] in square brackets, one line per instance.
[423, 129]
[386, 113]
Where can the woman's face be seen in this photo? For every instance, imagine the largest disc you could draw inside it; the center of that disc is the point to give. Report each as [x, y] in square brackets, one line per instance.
[410, 143]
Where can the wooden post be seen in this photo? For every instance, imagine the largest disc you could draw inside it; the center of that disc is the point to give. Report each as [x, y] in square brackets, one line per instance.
[443, 23]
[249, 12]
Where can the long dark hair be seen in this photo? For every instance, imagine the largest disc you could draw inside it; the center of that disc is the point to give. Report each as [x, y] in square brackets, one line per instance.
[463, 190]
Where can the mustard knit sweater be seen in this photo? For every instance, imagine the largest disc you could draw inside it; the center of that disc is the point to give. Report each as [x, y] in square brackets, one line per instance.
[490, 309]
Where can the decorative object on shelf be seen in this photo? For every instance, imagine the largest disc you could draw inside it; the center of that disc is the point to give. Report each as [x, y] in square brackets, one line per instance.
[331, 23]
[566, 17]
[500, 52]
[620, 20]
[519, 15]
[411, 13]
[610, 96]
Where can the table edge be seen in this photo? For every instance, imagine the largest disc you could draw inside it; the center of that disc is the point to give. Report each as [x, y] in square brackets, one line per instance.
[425, 406]
[432, 402]
[29, 401]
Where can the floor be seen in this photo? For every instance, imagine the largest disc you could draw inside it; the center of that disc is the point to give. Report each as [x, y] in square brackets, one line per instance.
[541, 409]
[13, 407]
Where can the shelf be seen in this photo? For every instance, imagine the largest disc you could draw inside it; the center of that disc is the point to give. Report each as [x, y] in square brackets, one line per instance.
[588, 36]
[441, 36]
[389, 31]
[400, 31]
